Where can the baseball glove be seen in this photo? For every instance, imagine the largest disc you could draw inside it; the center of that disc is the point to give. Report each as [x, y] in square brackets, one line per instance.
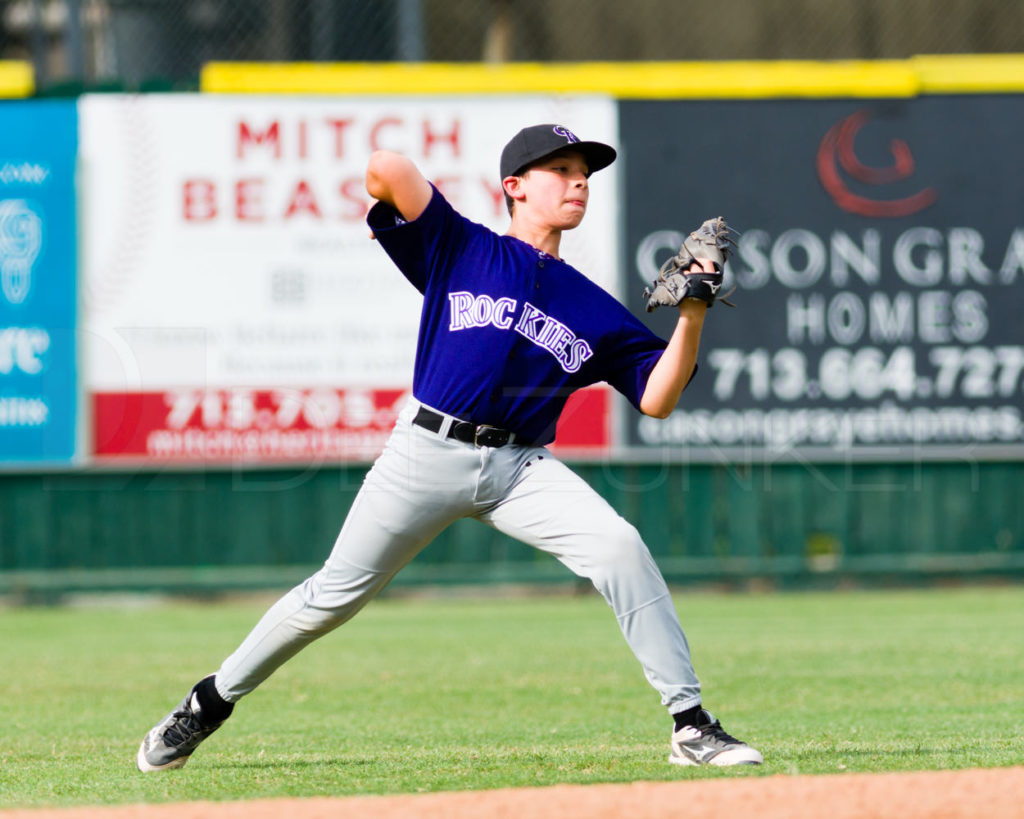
[675, 282]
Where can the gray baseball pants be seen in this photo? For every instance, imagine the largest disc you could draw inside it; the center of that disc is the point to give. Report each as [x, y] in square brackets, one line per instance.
[421, 483]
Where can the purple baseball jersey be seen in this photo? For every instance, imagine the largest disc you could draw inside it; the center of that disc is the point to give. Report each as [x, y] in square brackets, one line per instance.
[508, 332]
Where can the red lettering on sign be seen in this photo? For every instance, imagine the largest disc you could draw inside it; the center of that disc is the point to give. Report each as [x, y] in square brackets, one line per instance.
[303, 200]
[353, 194]
[247, 137]
[496, 194]
[431, 137]
[249, 200]
[273, 199]
[338, 126]
[199, 200]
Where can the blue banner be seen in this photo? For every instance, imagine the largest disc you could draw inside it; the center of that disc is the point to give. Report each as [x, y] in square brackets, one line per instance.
[38, 300]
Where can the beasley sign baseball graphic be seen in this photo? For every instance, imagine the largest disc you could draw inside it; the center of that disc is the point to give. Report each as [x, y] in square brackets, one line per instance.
[234, 303]
[879, 266]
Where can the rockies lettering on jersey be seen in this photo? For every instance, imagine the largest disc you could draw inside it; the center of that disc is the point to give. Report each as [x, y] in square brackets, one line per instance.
[469, 311]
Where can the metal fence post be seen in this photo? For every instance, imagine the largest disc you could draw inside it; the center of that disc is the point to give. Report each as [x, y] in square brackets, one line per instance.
[74, 40]
[410, 32]
[37, 40]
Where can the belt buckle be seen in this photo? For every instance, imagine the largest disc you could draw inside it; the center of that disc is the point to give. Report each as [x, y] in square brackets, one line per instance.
[485, 435]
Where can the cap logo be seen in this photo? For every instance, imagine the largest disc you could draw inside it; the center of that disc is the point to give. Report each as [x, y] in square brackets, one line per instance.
[562, 131]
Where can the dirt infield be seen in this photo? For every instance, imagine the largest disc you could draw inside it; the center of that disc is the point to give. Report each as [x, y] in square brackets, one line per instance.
[993, 794]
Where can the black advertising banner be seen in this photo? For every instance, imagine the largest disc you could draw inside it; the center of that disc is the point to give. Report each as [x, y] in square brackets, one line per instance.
[879, 273]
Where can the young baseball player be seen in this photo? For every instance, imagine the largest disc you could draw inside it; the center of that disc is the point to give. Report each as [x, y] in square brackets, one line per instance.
[508, 330]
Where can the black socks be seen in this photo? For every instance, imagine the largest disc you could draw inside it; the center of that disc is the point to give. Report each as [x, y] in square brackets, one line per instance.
[213, 706]
[687, 718]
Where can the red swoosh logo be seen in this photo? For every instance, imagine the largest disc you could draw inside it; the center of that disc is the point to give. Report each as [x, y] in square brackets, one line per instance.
[837, 147]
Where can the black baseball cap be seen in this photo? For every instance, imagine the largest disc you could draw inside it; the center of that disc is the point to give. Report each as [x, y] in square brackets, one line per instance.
[537, 141]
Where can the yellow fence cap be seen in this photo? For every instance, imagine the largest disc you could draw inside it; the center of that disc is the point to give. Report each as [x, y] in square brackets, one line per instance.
[638, 80]
[970, 73]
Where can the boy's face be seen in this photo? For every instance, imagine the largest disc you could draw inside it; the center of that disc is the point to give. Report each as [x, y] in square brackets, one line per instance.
[555, 190]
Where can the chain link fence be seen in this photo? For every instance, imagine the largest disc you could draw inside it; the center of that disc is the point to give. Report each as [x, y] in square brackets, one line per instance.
[139, 44]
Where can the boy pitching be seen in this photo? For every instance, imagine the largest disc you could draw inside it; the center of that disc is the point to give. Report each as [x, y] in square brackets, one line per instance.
[508, 331]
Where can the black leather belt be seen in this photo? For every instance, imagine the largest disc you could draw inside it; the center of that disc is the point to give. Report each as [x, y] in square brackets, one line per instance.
[468, 433]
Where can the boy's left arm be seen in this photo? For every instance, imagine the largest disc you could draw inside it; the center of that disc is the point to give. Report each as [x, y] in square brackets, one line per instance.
[675, 367]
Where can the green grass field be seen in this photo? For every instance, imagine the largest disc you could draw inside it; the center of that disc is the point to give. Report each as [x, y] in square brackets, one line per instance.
[426, 695]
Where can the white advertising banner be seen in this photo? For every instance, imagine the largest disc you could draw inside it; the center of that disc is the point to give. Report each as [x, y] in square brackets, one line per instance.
[234, 305]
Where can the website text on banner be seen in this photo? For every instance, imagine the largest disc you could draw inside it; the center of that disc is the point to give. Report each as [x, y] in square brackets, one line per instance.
[237, 308]
[880, 273]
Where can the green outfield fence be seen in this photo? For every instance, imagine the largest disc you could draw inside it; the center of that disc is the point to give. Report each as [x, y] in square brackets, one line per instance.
[786, 525]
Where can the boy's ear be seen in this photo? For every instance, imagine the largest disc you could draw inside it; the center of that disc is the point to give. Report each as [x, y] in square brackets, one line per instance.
[513, 188]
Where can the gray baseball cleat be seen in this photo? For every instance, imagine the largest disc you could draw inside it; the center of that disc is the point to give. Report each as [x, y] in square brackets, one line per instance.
[171, 742]
[708, 744]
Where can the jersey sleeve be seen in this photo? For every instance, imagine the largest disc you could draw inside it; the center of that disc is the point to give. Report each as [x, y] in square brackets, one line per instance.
[424, 247]
[633, 352]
